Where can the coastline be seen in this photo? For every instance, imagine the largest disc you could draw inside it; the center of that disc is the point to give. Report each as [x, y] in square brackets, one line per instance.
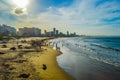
[53, 71]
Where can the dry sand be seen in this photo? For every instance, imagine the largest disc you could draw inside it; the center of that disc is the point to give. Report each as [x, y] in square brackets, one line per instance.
[27, 64]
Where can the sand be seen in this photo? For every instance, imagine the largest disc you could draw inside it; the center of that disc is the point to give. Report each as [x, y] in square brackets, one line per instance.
[25, 64]
[53, 71]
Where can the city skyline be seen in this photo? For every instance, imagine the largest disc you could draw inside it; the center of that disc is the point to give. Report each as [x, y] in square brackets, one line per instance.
[85, 17]
[6, 30]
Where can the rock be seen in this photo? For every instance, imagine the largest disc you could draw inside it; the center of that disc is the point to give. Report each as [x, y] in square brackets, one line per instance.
[44, 67]
[24, 75]
[2, 53]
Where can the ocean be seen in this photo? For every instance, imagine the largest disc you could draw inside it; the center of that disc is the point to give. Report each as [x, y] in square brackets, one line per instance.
[85, 58]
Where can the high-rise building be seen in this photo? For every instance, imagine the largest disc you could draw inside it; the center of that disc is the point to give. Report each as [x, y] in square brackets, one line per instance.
[67, 33]
[74, 33]
[6, 30]
[29, 31]
[37, 32]
[45, 32]
[57, 32]
[54, 31]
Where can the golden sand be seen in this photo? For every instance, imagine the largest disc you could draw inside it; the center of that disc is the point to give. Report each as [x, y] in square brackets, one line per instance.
[53, 71]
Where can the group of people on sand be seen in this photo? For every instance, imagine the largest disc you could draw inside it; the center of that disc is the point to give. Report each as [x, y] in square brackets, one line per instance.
[55, 44]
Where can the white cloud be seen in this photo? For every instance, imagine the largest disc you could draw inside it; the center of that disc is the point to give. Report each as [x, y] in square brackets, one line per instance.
[82, 14]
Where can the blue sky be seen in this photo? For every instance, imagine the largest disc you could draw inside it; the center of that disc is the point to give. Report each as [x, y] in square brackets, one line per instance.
[87, 17]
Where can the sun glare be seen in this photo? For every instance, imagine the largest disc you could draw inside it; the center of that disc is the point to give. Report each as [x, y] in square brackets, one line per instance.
[21, 3]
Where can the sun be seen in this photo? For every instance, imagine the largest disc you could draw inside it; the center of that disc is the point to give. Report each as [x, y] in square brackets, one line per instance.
[21, 3]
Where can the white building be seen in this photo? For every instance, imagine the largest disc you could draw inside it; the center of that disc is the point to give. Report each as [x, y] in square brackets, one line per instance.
[29, 32]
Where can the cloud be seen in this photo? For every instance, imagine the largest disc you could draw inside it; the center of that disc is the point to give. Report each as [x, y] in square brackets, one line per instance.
[20, 11]
[6, 17]
[83, 14]
[86, 16]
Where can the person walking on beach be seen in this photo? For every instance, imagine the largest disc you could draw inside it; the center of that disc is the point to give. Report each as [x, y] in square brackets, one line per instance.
[57, 48]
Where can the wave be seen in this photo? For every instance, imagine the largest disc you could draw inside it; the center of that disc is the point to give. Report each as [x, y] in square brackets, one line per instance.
[92, 50]
[105, 47]
[98, 52]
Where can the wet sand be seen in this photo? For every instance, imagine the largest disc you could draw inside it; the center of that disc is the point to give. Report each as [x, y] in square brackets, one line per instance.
[95, 70]
[84, 68]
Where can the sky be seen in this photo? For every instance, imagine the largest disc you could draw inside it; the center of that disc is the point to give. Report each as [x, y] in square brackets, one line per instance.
[85, 17]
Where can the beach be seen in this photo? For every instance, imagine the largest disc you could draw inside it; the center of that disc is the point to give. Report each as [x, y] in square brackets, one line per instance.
[60, 59]
[27, 64]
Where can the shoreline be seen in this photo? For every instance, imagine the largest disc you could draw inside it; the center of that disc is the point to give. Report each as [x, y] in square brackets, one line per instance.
[53, 71]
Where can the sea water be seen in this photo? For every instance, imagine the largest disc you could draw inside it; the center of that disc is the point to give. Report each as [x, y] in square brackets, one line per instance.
[79, 51]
